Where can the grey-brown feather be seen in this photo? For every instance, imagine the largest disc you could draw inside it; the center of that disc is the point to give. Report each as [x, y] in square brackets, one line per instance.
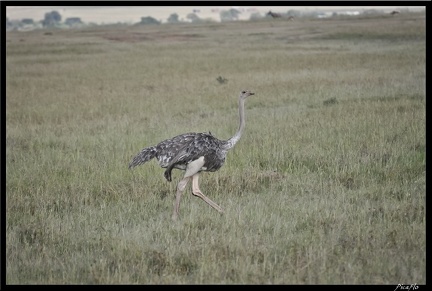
[179, 151]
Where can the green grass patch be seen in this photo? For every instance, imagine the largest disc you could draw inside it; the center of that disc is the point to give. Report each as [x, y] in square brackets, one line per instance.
[326, 186]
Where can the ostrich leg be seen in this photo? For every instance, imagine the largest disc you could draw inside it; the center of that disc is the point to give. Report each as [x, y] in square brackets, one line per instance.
[180, 188]
[191, 169]
[197, 192]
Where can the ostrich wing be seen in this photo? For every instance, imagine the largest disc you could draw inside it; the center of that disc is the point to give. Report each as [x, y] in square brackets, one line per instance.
[202, 145]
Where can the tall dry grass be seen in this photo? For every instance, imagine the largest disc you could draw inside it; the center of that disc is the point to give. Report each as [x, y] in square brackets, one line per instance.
[327, 185]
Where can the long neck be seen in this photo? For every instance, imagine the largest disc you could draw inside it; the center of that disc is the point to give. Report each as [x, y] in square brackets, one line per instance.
[232, 141]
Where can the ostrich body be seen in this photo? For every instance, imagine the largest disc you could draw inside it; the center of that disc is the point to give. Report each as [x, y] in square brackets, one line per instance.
[193, 153]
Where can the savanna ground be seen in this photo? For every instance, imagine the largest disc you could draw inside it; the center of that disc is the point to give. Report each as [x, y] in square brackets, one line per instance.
[326, 186]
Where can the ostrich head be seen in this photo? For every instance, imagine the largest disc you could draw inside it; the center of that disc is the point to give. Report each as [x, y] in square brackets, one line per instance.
[246, 93]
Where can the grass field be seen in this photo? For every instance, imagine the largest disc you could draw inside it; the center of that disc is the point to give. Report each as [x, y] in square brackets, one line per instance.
[326, 186]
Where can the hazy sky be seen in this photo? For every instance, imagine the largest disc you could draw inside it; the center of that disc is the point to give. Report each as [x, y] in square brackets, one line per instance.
[133, 14]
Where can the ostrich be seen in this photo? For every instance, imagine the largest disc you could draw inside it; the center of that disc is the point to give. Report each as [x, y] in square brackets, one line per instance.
[193, 153]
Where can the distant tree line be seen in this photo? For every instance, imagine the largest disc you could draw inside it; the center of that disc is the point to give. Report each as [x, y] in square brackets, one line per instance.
[51, 19]
[54, 19]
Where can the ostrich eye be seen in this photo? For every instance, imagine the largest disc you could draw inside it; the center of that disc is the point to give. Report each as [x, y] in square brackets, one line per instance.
[243, 92]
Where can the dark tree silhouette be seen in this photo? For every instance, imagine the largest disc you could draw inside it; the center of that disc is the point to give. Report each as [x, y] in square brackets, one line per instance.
[51, 18]
[149, 20]
[173, 18]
